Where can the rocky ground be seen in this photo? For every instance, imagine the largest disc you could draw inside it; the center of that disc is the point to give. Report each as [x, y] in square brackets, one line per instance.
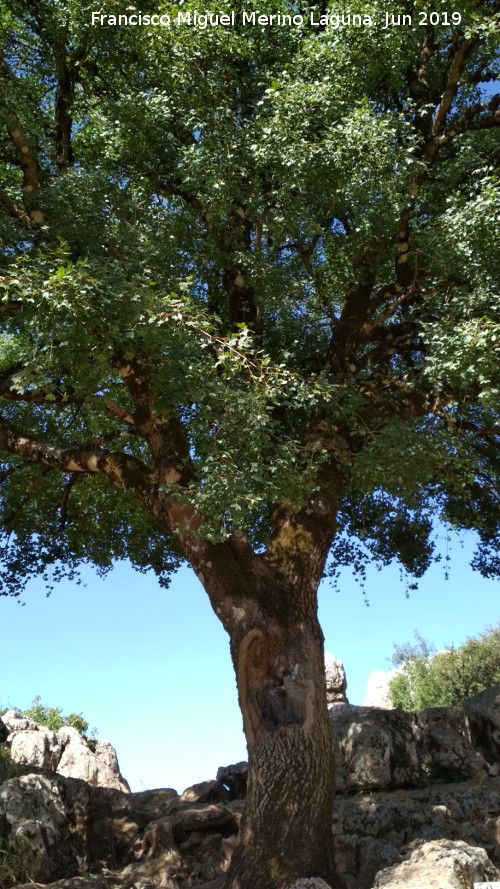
[417, 806]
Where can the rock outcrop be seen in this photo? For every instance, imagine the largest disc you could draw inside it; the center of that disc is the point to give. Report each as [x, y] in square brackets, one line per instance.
[336, 683]
[389, 749]
[405, 818]
[64, 751]
[441, 864]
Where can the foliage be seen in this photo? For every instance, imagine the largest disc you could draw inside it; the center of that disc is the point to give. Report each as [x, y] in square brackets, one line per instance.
[278, 247]
[53, 718]
[441, 679]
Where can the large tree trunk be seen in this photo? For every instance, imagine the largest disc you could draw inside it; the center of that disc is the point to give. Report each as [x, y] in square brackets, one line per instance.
[267, 602]
[286, 829]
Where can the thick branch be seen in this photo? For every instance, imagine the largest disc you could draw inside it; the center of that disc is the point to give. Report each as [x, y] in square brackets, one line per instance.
[12, 209]
[470, 119]
[450, 92]
[164, 435]
[125, 472]
[32, 173]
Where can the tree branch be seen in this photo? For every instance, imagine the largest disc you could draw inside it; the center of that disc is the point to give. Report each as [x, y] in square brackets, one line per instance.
[126, 472]
[12, 209]
[32, 173]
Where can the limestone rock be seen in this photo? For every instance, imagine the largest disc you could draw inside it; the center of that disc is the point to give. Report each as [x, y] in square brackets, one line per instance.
[440, 864]
[382, 749]
[17, 722]
[205, 792]
[203, 818]
[64, 752]
[483, 713]
[234, 779]
[38, 747]
[445, 746]
[35, 813]
[370, 830]
[98, 767]
[336, 684]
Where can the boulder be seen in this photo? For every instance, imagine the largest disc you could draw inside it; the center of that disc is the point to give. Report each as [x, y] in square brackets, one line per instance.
[336, 684]
[97, 766]
[234, 779]
[370, 829]
[445, 747]
[17, 722]
[60, 827]
[440, 864]
[205, 792]
[64, 752]
[483, 713]
[383, 749]
[39, 748]
[36, 813]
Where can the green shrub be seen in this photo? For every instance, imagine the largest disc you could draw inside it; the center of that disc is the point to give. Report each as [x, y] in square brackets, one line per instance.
[441, 679]
[53, 718]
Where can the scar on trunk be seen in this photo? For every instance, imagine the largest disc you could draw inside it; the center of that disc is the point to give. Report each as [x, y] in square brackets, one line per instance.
[251, 676]
[310, 689]
[269, 704]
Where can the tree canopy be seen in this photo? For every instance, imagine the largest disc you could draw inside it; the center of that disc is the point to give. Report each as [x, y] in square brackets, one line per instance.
[250, 318]
[283, 242]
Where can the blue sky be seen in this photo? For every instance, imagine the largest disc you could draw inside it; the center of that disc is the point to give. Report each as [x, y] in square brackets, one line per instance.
[151, 669]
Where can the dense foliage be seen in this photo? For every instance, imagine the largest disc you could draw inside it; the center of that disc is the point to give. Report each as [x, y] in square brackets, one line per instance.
[289, 236]
[53, 717]
[431, 678]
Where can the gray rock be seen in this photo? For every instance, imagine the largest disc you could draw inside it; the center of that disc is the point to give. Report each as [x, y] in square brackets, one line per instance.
[64, 752]
[203, 818]
[483, 714]
[440, 864]
[98, 767]
[382, 749]
[205, 792]
[336, 684]
[370, 830]
[17, 722]
[374, 748]
[38, 748]
[35, 812]
[234, 779]
[445, 747]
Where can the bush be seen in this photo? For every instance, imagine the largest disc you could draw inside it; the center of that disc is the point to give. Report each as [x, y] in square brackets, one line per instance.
[442, 679]
[53, 718]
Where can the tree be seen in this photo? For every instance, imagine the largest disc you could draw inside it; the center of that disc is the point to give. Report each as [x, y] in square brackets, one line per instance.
[431, 678]
[249, 319]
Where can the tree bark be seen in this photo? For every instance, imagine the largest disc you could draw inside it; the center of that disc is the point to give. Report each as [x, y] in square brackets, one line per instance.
[286, 829]
[267, 602]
